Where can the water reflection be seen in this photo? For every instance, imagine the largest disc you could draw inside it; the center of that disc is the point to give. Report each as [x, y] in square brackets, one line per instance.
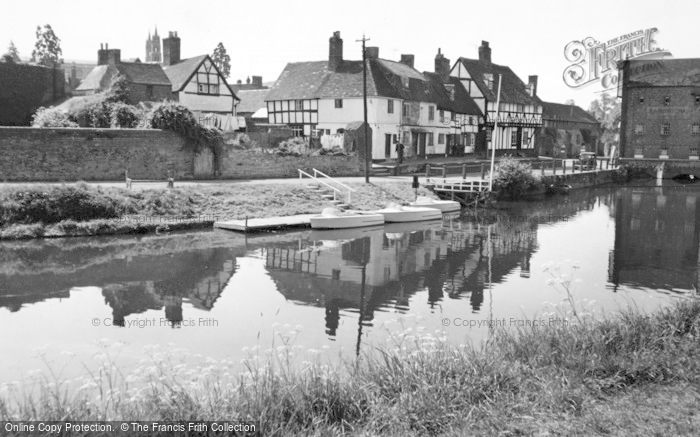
[626, 239]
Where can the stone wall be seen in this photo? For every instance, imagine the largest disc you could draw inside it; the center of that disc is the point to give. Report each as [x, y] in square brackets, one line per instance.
[64, 154]
[67, 154]
[24, 88]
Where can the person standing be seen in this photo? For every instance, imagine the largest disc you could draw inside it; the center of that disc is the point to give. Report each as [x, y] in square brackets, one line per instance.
[399, 152]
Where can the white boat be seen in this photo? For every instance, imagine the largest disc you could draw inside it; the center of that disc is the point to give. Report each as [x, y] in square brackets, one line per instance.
[401, 214]
[442, 205]
[331, 218]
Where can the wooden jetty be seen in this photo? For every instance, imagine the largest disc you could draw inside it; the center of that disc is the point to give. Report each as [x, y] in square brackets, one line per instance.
[264, 224]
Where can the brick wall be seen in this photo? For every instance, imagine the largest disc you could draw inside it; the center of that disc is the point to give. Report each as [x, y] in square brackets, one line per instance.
[238, 164]
[24, 88]
[681, 113]
[59, 154]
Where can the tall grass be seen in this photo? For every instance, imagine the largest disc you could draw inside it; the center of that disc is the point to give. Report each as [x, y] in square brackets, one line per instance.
[416, 384]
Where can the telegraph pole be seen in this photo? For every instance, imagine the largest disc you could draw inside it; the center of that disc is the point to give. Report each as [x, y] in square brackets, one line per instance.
[368, 149]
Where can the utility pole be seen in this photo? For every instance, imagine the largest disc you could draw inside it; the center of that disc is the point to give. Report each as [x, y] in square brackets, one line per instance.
[493, 134]
[368, 149]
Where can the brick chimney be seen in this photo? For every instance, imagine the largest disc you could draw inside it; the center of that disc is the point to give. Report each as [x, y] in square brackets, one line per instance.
[335, 51]
[171, 49]
[442, 66]
[114, 56]
[102, 56]
[532, 85]
[257, 81]
[372, 52]
[485, 52]
[408, 60]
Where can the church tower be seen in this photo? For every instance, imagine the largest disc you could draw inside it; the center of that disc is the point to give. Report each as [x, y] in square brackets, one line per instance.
[153, 50]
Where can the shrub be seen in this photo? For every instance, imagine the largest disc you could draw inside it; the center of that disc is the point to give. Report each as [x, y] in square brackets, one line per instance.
[177, 118]
[125, 116]
[118, 91]
[513, 178]
[333, 151]
[292, 147]
[52, 117]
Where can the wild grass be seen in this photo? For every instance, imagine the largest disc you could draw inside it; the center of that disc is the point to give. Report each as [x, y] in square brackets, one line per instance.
[569, 378]
[44, 211]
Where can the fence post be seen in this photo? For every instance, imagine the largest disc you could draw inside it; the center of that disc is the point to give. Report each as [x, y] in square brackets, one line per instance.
[542, 167]
[464, 171]
[483, 171]
[563, 165]
[427, 170]
[554, 166]
[444, 171]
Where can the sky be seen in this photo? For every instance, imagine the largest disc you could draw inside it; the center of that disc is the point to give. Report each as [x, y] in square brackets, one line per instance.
[263, 36]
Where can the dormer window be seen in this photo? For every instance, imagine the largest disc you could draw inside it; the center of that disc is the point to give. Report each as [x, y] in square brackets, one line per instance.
[405, 82]
[488, 80]
[451, 89]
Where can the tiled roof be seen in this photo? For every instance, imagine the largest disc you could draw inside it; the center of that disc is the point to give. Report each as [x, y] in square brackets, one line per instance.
[513, 90]
[666, 72]
[251, 100]
[134, 72]
[313, 80]
[572, 113]
[181, 72]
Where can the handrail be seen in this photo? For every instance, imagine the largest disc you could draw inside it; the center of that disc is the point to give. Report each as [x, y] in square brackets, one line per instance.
[337, 182]
[335, 190]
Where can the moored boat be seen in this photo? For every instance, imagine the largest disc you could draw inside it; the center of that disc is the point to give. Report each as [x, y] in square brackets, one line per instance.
[331, 218]
[401, 214]
[442, 205]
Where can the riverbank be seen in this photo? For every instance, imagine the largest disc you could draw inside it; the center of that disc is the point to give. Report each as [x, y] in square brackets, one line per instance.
[584, 377]
[51, 211]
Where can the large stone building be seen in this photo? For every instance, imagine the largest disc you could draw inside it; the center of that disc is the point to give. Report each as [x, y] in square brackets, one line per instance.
[660, 109]
[153, 53]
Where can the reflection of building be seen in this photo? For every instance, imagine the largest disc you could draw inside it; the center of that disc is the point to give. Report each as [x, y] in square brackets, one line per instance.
[655, 249]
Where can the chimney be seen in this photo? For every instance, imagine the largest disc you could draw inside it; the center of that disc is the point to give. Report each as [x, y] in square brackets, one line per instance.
[335, 51]
[372, 52]
[102, 56]
[532, 85]
[408, 60]
[442, 66]
[114, 56]
[485, 52]
[257, 81]
[171, 49]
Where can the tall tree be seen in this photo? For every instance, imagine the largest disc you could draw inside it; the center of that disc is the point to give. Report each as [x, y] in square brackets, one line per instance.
[12, 55]
[47, 50]
[607, 111]
[222, 60]
[570, 102]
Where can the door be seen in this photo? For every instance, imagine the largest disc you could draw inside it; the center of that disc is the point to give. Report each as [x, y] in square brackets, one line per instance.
[414, 144]
[387, 146]
[423, 140]
[204, 164]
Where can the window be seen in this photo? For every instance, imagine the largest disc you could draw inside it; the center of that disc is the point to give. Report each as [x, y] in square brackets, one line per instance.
[390, 107]
[514, 138]
[472, 140]
[431, 113]
[453, 116]
[149, 91]
[405, 81]
[667, 100]
[441, 138]
[641, 99]
[666, 129]
[299, 105]
[338, 103]
[488, 80]
[297, 130]
[526, 137]
[406, 110]
[207, 80]
[395, 138]
[639, 129]
[442, 115]
[695, 129]
[430, 139]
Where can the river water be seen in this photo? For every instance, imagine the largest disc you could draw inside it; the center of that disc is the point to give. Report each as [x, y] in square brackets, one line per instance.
[216, 293]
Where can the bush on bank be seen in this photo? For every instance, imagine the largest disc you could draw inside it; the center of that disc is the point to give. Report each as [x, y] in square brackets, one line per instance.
[513, 178]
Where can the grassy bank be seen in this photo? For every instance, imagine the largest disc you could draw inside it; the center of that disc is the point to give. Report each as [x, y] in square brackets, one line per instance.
[80, 209]
[583, 378]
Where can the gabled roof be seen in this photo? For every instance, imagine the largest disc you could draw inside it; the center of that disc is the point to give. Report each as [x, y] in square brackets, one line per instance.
[462, 103]
[513, 90]
[134, 72]
[571, 113]
[314, 80]
[180, 74]
[251, 100]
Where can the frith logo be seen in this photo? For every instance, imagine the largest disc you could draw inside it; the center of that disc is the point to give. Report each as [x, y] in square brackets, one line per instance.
[594, 61]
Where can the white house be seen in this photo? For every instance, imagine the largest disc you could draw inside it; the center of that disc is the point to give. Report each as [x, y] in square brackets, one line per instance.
[520, 109]
[428, 112]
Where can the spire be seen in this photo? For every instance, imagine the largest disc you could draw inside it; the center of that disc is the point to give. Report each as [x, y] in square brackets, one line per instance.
[156, 34]
[149, 34]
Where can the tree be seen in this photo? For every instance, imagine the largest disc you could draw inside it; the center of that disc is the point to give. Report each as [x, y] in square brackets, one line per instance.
[222, 60]
[12, 55]
[570, 102]
[47, 50]
[607, 111]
